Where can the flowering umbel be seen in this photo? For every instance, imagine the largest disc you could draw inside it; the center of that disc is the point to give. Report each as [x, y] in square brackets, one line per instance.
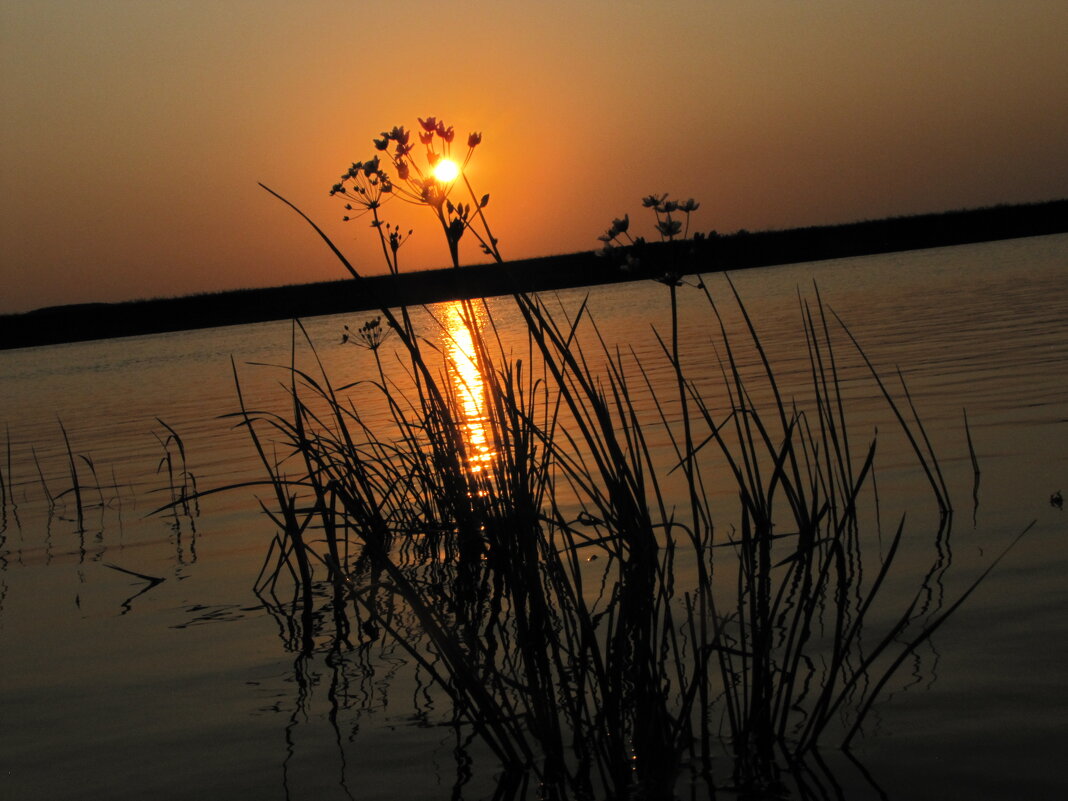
[667, 225]
[364, 183]
[366, 186]
[370, 335]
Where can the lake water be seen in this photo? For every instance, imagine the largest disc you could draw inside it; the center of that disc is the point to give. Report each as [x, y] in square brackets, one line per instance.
[116, 686]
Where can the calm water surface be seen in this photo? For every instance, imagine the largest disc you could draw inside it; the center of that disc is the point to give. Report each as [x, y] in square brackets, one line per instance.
[114, 686]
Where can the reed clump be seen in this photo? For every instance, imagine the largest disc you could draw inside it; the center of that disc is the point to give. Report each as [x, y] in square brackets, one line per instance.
[565, 585]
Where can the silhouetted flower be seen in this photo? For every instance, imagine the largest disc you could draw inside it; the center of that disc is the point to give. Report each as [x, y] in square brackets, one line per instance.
[473, 140]
[396, 238]
[430, 124]
[445, 133]
[669, 227]
[689, 205]
[370, 335]
[363, 184]
[651, 201]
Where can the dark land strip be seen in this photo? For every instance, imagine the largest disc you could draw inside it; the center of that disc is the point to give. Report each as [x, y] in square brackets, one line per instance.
[704, 254]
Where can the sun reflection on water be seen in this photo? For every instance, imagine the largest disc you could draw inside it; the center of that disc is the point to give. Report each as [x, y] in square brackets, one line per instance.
[467, 384]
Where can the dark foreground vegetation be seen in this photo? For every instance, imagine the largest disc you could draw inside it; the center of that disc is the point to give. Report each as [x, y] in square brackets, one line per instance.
[713, 252]
[624, 587]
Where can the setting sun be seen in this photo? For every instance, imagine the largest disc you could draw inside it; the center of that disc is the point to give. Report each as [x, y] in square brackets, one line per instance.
[446, 171]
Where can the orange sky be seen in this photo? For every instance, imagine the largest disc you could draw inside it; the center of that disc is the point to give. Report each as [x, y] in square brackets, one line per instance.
[134, 133]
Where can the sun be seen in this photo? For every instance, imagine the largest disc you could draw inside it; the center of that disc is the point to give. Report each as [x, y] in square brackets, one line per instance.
[446, 171]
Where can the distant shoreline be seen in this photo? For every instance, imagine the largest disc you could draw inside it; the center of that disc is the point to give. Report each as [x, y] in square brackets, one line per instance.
[708, 254]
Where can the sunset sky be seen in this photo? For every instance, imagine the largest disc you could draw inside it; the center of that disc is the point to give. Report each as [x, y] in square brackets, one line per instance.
[134, 133]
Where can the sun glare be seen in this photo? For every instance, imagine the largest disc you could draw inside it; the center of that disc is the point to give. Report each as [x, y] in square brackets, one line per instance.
[446, 171]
